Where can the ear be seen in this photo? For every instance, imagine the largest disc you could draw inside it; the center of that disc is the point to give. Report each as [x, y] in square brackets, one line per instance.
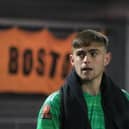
[107, 59]
[71, 59]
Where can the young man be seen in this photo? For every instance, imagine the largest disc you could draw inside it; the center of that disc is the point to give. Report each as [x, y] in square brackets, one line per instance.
[89, 99]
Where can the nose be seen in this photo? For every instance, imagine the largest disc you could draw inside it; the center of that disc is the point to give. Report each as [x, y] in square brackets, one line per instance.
[86, 59]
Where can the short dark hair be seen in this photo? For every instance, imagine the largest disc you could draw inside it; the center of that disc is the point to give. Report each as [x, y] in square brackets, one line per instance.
[87, 37]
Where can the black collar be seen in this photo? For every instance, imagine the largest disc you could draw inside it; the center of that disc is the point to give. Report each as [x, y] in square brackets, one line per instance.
[74, 109]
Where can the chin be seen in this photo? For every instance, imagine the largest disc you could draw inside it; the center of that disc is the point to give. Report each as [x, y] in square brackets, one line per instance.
[86, 78]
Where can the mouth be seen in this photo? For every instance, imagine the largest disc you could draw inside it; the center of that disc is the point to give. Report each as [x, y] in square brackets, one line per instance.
[86, 69]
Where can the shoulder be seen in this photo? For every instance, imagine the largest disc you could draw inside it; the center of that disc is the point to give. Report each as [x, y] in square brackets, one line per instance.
[53, 102]
[125, 93]
[53, 98]
[49, 112]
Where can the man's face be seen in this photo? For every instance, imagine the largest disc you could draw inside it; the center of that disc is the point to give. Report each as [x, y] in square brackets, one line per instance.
[90, 61]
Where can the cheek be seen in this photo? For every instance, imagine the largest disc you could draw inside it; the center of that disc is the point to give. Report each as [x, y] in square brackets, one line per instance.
[77, 64]
[100, 62]
[75, 61]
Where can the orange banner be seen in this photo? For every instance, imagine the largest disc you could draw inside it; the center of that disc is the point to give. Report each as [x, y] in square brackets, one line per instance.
[33, 62]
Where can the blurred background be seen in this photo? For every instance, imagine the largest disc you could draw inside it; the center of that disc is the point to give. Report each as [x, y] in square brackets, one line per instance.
[35, 36]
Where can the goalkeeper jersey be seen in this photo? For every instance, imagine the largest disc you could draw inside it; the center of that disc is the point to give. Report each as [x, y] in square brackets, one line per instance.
[48, 117]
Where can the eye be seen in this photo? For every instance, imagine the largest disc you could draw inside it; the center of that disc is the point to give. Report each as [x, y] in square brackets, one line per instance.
[81, 54]
[93, 53]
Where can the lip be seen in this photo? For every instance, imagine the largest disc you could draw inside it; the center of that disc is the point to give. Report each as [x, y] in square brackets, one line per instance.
[86, 69]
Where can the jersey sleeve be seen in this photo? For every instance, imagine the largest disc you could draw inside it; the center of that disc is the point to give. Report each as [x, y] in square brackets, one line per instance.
[48, 117]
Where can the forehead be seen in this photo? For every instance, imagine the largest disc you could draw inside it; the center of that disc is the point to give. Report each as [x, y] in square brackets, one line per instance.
[94, 46]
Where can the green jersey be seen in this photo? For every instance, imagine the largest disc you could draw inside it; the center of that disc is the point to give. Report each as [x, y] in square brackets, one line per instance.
[48, 117]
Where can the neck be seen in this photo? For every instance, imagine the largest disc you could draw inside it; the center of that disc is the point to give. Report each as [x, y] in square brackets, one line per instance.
[92, 87]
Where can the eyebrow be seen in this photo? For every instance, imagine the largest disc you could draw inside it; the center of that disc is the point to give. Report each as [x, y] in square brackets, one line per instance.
[90, 50]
